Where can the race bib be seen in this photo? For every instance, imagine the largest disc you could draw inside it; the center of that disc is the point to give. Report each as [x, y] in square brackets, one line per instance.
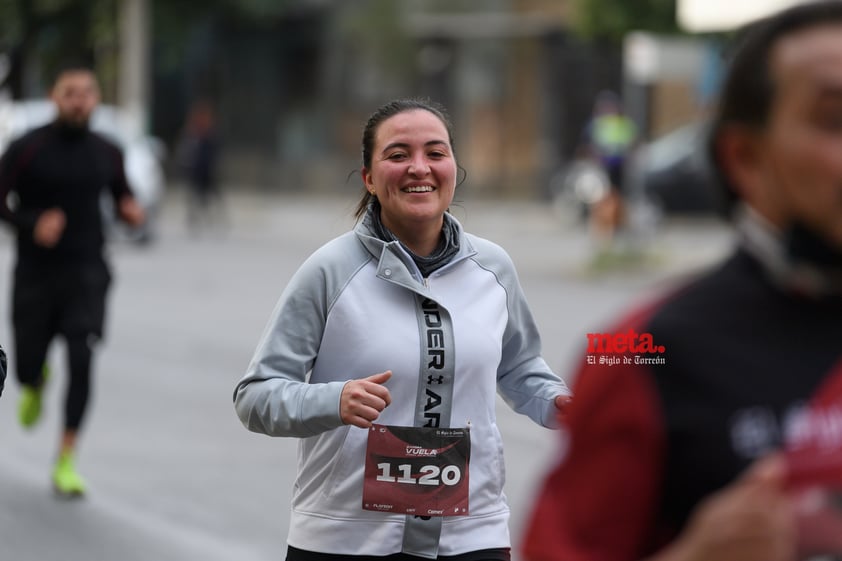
[417, 470]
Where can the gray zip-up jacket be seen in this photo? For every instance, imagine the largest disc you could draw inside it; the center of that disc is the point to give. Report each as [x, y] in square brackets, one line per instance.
[352, 310]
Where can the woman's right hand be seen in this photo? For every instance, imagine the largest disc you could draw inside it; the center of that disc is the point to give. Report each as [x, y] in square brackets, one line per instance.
[362, 400]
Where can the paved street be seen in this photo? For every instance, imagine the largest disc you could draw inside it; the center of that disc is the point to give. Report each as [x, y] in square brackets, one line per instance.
[173, 475]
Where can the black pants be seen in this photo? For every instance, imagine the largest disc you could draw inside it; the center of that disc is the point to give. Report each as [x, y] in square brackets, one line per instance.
[59, 300]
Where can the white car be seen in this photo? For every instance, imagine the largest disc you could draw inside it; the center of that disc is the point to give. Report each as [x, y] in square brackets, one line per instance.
[142, 154]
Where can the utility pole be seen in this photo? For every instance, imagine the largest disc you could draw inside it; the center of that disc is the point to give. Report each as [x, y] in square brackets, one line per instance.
[133, 85]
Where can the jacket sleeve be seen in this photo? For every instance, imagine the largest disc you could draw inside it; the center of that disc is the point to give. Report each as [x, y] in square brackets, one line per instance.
[599, 503]
[12, 165]
[119, 185]
[524, 380]
[275, 397]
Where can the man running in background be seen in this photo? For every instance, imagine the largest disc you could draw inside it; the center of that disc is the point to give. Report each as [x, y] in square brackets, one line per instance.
[57, 174]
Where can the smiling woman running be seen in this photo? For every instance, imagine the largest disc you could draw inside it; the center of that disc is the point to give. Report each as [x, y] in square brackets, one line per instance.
[384, 355]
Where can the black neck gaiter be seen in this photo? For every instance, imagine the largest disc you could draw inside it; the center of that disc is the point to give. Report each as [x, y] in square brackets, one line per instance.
[447, 247]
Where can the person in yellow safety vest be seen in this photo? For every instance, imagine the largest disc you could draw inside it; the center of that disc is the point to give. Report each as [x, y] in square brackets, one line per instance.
[609, 139]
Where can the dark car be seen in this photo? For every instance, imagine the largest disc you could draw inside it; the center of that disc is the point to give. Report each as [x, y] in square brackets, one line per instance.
[673, 172]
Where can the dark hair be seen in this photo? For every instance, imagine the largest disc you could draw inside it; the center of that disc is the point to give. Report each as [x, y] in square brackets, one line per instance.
[384, 112]
[71, 65]
[748, 90]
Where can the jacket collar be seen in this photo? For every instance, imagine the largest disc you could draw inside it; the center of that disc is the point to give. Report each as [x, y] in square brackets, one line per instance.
[768, 245]
[396, 265]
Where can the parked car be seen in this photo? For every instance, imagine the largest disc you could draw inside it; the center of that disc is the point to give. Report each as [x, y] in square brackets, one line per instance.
[673, 172]
[143, 156]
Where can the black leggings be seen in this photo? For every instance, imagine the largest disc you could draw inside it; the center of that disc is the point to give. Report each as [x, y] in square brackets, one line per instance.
[79, 355]
[79, 360]
[68, 302]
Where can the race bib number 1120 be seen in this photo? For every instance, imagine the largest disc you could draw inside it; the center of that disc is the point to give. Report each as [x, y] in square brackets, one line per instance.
[417, 470]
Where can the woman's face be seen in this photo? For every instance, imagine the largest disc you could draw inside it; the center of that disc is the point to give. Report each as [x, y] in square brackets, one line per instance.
[412, 173]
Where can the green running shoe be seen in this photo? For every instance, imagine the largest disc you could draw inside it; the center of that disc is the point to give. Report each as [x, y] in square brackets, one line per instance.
[29, 406]
[66, 480]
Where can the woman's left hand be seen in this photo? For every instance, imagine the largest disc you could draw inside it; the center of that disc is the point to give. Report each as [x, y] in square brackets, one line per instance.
[562, 402]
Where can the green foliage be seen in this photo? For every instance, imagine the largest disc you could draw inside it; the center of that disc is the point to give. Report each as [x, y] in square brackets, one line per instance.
[43, 34]
[173, 21]
[19, 17]
[258, 10]
[612, 19]
[10, 23]
[375, 27]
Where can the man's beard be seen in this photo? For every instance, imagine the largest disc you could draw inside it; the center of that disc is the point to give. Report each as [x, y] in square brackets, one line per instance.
[74, 120]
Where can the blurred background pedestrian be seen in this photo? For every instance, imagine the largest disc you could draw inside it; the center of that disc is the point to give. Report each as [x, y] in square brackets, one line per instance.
[198, 156]
[608, 142]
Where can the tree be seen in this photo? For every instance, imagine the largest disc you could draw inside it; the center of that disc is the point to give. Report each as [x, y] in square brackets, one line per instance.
[174, 21]
[612, 19]
[38, 36]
